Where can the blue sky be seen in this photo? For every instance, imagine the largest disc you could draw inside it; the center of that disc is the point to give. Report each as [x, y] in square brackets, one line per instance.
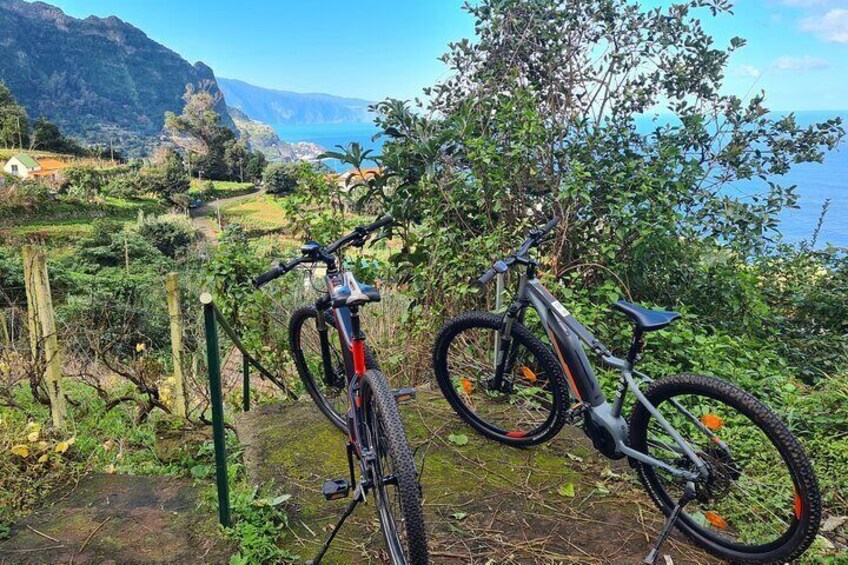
[797, 49]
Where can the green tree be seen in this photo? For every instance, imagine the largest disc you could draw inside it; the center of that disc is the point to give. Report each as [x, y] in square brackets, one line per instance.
[539, 118]
[14, 124]
[46, 136]
[255, 166]
[83, 182]
[176, 179]
[280, 178]
[199, 132]
[237, 156]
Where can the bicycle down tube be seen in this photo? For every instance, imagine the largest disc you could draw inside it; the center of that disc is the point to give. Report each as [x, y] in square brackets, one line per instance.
[565, 334]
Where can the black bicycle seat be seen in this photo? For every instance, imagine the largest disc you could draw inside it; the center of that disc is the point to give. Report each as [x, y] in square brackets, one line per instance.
[645, 319]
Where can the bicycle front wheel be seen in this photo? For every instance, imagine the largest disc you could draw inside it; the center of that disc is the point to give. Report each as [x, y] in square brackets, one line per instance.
[528, 407]
[760, 502]
[393, 473]
[328, 388]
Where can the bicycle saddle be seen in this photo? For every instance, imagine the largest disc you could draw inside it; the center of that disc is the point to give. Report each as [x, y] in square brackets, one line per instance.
[645, 319]
[354, 293]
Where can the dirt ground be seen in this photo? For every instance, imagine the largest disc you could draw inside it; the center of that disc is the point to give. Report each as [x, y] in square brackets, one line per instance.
[484, 502]
[119, 519]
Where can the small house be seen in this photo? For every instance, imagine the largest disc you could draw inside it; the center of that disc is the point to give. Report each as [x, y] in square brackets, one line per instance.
[355, 177]
[22, 166]
[25, 167]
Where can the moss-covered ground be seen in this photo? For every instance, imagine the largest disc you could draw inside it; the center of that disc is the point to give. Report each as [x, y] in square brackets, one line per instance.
[484, 502]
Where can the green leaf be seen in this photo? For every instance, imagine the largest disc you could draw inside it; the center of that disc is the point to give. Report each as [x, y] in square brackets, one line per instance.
[567, 490]
[459, 516]
[458, 439]
[201, 471]
[280, 499]
[699, 518]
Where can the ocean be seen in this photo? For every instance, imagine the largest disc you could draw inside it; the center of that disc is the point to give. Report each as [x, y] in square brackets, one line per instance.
[816, 182]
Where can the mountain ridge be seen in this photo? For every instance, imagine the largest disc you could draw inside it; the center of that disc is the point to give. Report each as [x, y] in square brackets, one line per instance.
[262, 137]
[281, 107]
[102, 80]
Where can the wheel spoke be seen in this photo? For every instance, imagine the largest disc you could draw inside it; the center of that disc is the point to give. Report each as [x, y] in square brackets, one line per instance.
[523, 402]
[744, 498]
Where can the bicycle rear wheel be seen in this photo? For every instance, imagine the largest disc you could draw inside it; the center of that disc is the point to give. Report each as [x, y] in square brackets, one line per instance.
[760, 503]
[329, 391]
[395, 478]
[530, 406]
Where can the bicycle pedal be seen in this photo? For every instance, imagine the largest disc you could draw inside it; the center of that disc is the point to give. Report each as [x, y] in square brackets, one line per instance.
[335, 489]
[404, 394]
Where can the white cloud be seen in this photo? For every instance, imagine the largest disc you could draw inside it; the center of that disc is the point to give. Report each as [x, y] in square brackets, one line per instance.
[831, 26]
[805, 63]
[749, 71]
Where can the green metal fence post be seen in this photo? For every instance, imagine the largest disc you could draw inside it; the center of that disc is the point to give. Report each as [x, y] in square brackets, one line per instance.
[246, 383]
[218, 431]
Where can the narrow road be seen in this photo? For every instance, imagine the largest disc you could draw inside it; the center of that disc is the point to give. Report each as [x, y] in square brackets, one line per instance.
[205, 224]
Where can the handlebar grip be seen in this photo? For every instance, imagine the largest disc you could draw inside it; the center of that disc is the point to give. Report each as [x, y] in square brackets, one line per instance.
[268, 276]
[380, 223]
[487, 276]
[544, 230]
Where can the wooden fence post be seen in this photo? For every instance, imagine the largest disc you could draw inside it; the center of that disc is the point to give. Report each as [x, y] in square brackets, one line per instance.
[4, 329]
[32, 306]
[53, 373]
[172, 286]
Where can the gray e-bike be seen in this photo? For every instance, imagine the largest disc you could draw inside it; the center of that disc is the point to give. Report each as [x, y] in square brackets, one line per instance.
[721, 466]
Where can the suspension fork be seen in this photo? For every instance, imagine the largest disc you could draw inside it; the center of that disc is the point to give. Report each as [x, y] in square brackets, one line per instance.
[505, 350]
[324, 343]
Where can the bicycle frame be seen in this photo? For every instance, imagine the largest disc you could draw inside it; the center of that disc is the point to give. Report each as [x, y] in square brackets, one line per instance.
[566, 334]
[352, 341]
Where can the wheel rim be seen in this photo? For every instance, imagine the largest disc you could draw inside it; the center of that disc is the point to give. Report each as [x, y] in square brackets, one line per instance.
[334, 394]
[389, 503]
[521, 408]
[751, 503]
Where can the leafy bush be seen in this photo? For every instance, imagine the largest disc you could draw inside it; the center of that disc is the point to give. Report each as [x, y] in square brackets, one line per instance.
[514, 137]
[807, 295]
[317, 209]
[29, 194]
[232, 270]
[112, 246]
[171, 235]
[280, 178]
[122, 186]
[83, 182]
[113, 312]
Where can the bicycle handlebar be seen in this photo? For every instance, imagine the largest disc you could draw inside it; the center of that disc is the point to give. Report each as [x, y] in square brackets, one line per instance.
[503, 265]
[379, 223]
[357, 236]
[546, 229]
[278, 271]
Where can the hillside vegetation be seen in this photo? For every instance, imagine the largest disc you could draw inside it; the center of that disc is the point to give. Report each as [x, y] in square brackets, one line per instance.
[521, 131]
[101, 80]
